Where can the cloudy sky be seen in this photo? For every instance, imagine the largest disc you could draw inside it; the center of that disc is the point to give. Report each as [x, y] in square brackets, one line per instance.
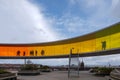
[31, 21]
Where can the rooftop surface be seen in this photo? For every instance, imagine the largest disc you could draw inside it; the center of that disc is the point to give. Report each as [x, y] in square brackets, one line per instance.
[62, 75]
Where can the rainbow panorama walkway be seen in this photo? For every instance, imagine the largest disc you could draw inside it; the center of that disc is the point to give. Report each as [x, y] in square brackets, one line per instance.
[62, 75]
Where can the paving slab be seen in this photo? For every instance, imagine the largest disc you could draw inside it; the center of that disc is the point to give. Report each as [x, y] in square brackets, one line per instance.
[62, 75]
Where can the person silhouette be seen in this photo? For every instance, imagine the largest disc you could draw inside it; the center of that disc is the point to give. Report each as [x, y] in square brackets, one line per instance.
[32, 53]
[42, 52]
[24, 53]
[103, 45]
[36, 53]
[18, 53]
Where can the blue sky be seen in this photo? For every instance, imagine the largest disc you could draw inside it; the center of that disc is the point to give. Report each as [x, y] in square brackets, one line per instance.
[31, 21]
[78, 17]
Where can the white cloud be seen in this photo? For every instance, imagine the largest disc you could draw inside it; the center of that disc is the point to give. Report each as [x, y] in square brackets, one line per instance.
[97, 15]
[103, 60]
[116, 8]
[23, 22]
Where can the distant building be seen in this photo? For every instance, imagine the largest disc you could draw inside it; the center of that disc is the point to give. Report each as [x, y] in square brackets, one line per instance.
[82, 66]
[29, 62]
